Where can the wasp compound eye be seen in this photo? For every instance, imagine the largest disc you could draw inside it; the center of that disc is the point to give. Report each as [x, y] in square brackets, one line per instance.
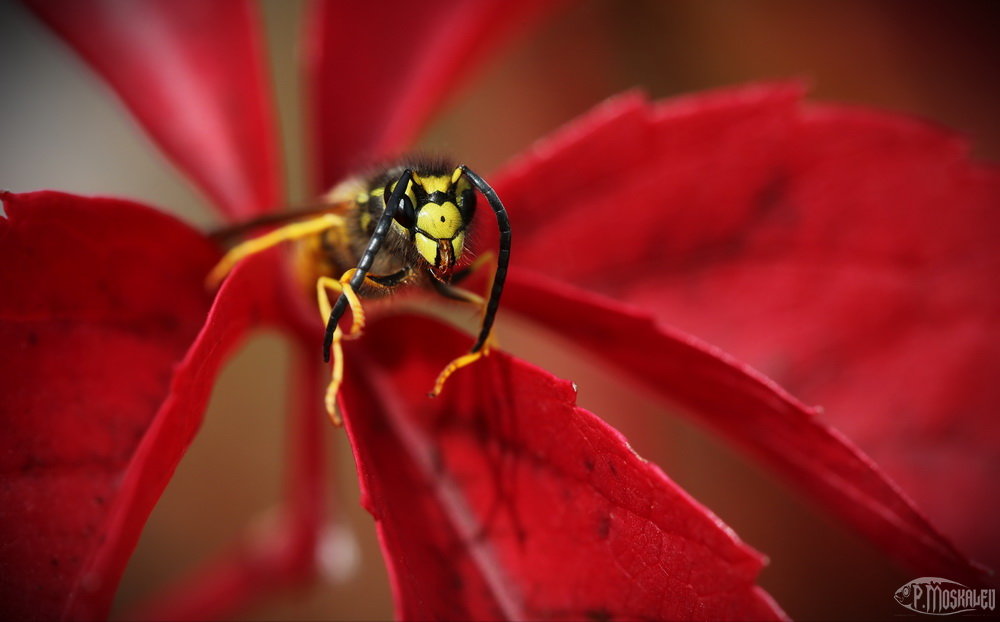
[405, 213]
[467, 203]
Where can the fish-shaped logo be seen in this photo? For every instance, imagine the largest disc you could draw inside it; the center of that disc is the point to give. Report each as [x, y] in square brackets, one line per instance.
[942, 597]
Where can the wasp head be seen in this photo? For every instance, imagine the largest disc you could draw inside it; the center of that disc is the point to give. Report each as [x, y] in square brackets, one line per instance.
[435, 212]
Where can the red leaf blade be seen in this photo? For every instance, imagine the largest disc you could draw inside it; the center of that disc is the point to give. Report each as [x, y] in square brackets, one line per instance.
[847, 254]
[96, 312]
[103, 308]
[503, 500]
[750, 410]
[282, 555]
[245, 300]
[192, 73]
[377, 72]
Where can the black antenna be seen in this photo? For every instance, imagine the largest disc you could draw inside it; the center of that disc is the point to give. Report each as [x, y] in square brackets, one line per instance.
[374, 244]
[503, 256]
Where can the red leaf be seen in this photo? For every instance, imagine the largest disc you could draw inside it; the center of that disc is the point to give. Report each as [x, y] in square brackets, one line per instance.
[246, 299]
[502, 499]
[100, 301]
[272, 556]
[752, 411]
[674, 174]
[850, 256]
[93, 305]
[377, 71]
[193, 75]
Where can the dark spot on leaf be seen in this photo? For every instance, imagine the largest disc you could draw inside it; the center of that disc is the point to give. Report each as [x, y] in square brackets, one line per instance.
[137, 433]
[598, 615]
[442, 219]
[456, 581]
[99, 500]
[30, 464]
[770, 207]
[167, 323]
[772, 197]
[520, 533]
[481, 430]
[612, 468]
[588, 464]
[604, 526]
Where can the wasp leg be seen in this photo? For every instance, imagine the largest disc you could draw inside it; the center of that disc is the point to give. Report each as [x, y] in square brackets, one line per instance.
[394, 204]
[293, 231]
[459, 294]
[459, 363]
[335, 379]
[342, 286]
[484, 259]
[323, 284]
[464, 295]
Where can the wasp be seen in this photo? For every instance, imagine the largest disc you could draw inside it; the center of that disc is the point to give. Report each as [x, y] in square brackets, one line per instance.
[402, 226]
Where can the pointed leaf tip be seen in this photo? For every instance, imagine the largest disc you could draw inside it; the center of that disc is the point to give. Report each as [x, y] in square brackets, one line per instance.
[521, 505]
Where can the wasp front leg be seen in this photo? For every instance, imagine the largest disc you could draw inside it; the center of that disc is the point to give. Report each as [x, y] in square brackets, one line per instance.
[463, 295]
[294, 231]
[485, 259]
[460, 294]
[324, 285]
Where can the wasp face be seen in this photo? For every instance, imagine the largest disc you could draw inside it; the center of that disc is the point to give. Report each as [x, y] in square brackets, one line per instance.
[436, 211]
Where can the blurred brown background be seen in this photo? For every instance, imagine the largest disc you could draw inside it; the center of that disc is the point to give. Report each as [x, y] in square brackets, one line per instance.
[60, 129]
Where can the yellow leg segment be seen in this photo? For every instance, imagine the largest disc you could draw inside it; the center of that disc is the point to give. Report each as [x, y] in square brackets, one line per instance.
[335, 379]
[323, 285]
[342, 286]
[477, 263]
[460, 294]
[457, 364]
[482, 260]
[465, 295]
[293, 231]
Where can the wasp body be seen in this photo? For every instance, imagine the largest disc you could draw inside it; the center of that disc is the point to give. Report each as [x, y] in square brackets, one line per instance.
[402, 226]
